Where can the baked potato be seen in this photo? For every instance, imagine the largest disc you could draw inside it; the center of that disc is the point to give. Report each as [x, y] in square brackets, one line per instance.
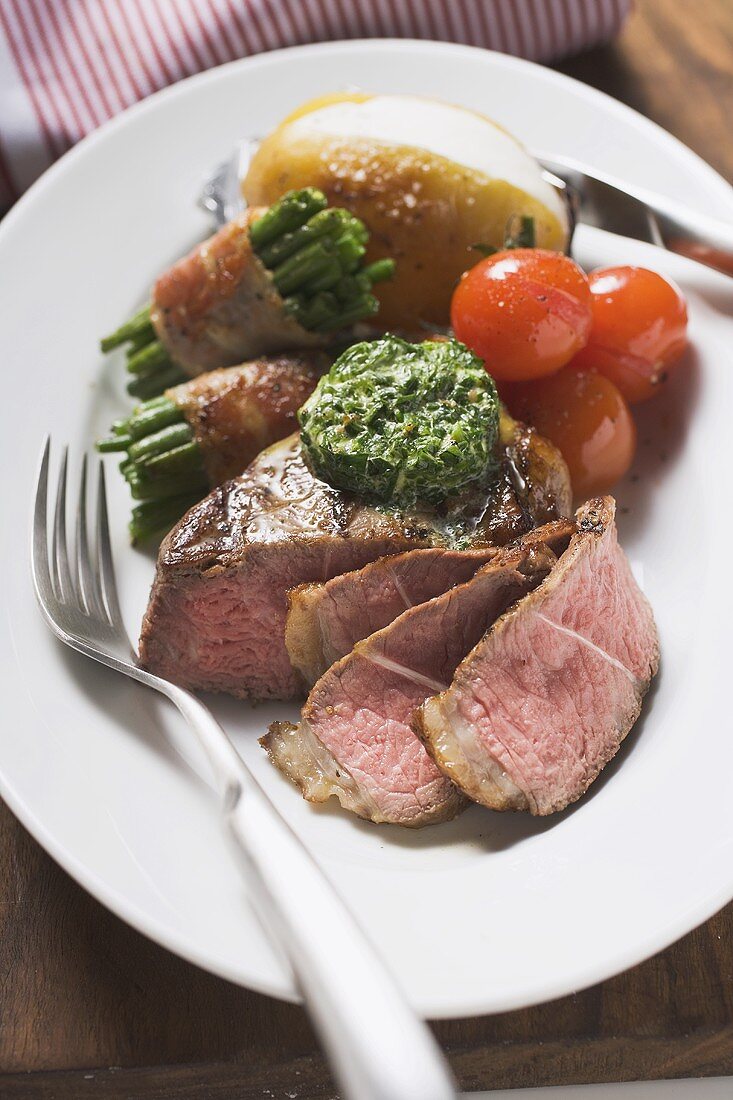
[430, 181]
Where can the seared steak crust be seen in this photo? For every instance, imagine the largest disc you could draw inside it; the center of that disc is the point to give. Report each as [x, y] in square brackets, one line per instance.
[534, 485]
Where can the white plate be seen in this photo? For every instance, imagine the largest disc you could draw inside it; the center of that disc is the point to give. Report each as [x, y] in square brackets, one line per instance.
[489, 912]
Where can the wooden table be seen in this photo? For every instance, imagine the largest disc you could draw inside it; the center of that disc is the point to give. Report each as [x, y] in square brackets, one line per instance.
[90, 1008]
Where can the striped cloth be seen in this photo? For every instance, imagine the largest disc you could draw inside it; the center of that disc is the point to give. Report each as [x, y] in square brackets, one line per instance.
[68, 65]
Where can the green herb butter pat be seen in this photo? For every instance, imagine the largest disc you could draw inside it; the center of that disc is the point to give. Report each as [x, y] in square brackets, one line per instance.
[403, 423]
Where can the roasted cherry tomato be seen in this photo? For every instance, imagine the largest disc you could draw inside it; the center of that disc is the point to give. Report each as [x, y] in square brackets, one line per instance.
[525, 312]
[586, 418]
[639, 329]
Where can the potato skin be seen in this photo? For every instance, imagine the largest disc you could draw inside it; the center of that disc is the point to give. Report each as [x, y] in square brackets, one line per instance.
[422, 209]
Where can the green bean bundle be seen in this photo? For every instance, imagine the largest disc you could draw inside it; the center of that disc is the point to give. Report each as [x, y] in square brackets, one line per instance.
[196, 435]
[288, 276]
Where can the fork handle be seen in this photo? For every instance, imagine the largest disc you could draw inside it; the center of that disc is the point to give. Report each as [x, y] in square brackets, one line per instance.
[378, 1047]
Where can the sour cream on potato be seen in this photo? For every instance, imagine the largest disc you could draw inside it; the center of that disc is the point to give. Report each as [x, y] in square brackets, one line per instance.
[455, 133]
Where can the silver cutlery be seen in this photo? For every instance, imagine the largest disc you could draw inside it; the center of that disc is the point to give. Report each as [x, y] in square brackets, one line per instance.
[378, 1048]
[593, 198]
[221, 194]
[618, 207]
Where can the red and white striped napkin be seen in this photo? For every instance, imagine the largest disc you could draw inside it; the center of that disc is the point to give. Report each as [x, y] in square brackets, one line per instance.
[66, 66]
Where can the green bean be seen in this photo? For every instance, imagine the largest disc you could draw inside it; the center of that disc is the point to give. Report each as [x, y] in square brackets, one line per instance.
[329, 278]
[286, 215]
[360, 308]
[186, 456]
[324, 223]
[313, 311]
[352, 286]
[146, 419]
[148, 359]
[379, 270]
[350, 253]
[141, 340]
[150, 385]
[154, 517]
[160, 488]
[310, 263]
[164, 440]
[114, 443]
[128, 331]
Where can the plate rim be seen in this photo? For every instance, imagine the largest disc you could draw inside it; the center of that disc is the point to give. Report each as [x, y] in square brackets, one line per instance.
[217, 72]
[85, 876]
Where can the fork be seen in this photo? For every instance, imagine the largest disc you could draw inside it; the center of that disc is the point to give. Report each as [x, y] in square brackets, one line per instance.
[379, 1049]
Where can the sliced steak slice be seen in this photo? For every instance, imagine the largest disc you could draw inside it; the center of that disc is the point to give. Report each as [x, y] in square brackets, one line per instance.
[543, 702]
[216, 616]
[325, 621]
[355, 740]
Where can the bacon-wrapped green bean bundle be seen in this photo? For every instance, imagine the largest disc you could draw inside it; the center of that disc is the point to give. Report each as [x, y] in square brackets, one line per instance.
[198, 434]
[273, 279]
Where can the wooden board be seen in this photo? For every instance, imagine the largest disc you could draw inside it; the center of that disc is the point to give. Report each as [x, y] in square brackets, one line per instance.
[90, 1008]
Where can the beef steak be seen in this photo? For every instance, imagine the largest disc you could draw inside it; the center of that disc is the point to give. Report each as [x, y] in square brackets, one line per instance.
[217, 610]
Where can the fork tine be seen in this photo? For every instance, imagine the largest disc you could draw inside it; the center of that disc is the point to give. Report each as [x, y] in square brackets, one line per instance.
[39, 555]
[87, 589]
[105, 563]
[62, 582]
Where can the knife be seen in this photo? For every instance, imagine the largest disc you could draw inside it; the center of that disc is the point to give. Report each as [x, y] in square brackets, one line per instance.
[618, 207]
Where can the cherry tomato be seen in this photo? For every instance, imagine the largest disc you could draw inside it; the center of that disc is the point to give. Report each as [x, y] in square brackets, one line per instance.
[586, 418]
[639, 329]
[525, 312]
